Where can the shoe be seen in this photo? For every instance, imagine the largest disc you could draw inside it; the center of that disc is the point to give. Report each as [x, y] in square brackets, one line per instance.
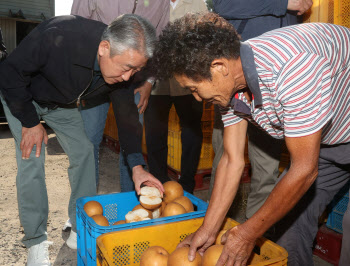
[72, 240]
[67, 226]
[38, 255]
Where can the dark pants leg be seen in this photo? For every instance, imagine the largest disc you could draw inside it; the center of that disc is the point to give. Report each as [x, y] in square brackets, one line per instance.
[190, 113]
[297, 231]
[156, 129]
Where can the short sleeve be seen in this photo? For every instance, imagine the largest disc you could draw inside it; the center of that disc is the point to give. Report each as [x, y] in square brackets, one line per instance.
[228, 117]
[304, 90]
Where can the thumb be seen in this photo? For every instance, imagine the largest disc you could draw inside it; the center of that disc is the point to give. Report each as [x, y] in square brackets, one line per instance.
[192, 253]
[138, 190]
[224, 238]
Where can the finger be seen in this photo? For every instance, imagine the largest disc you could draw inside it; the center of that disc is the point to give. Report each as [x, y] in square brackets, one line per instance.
[236, 263]
[144, 106]
[223, 259]
[137, 188]
[224, 238]
[46, 137]
[38, 150]
[136, 91]
[27, 150]
[192, 252]
[184, 243]
[21, 146]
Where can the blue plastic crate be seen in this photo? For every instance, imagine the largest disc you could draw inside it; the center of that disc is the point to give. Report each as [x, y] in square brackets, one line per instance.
[338, 207]
[115, 207]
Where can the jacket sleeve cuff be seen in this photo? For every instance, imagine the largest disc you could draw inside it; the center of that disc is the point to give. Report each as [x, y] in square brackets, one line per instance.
[135, 159]
[280, 7]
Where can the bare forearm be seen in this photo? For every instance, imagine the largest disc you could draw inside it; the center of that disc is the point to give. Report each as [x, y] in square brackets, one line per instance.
[227, 180]
[281, 200]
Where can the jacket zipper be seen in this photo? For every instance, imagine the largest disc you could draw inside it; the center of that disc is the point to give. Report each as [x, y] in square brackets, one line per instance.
[78, 99]
[104, 83]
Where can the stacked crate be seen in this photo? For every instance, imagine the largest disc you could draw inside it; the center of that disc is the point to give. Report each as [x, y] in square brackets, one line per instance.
[175, 146]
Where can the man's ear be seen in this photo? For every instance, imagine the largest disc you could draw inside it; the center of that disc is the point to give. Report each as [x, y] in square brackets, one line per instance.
[221, 66]
[104, 48]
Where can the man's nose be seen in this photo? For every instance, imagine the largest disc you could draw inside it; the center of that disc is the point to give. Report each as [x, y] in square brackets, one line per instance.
[126, 76]
[196, 96]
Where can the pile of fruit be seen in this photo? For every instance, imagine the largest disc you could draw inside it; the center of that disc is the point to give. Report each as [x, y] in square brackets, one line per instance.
[151, 206]
[159, 256]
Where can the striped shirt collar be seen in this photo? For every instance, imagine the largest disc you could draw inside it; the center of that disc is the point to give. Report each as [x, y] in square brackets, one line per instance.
[251, 76]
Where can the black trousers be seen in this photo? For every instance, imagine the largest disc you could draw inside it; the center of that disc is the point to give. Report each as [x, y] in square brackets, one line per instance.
[156, 127]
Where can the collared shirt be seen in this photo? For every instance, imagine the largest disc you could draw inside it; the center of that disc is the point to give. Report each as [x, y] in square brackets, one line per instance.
[303, 77]
[156, 11]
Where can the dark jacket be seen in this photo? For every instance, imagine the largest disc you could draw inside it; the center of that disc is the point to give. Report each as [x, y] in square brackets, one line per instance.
[53, 66]
[260, 15]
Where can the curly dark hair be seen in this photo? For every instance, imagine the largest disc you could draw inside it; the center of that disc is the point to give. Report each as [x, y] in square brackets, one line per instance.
[189, 45]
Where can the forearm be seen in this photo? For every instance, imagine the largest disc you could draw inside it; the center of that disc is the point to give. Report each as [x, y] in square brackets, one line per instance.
[227, 179]
[127, 119]
[282, 199]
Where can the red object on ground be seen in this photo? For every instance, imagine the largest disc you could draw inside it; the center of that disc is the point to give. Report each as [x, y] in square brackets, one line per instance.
[328, 245]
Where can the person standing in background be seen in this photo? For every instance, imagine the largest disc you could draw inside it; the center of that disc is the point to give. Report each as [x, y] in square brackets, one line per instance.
[166, 93]
[94, 112]
[252, 18]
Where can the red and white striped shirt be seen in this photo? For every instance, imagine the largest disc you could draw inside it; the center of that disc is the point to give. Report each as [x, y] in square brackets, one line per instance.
[303, 74]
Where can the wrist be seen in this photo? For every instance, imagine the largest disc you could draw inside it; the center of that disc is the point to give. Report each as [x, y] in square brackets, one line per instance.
[151, 80]
[137, 168]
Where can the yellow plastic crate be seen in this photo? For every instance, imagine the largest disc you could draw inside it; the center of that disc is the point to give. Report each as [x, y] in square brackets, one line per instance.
[321, 11]
[329, 11]
[342, 12]
[126, 247]
[175, 151]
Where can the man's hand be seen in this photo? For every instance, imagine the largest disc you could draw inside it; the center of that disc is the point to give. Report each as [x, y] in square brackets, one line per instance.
[299, 5]
[140, 176]
[145, 92]
[202, 239]
[30, 137]
[238, 247]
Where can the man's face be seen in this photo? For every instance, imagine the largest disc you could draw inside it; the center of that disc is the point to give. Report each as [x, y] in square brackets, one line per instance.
[218, 90]
[121, 67]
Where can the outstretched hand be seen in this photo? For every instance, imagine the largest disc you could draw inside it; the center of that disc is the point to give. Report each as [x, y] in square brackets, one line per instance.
[140, 176]
[201, 240]
[30, 137]
[238, 247]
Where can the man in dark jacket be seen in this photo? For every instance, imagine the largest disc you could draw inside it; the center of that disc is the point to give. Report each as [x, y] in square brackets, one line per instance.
[61, 62]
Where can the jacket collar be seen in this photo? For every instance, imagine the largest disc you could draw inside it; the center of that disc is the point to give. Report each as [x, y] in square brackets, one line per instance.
[87, 61]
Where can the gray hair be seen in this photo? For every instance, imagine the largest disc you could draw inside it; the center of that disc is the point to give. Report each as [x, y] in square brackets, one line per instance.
[130, 31]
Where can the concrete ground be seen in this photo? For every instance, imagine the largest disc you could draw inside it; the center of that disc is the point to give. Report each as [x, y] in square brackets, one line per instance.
[12, 251]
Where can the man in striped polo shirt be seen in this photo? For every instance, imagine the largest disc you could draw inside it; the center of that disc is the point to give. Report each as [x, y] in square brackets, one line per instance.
[292, 83]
